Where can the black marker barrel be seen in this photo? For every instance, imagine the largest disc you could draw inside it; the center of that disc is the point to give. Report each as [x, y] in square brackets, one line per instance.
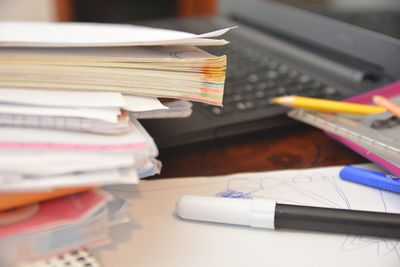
[266, 213]
[337, 220]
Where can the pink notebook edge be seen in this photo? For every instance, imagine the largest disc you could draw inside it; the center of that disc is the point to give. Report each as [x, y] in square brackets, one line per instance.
[393, 169]
[390, 90]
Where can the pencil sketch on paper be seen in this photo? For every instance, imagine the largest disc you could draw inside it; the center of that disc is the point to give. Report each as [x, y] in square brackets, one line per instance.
[314, 190]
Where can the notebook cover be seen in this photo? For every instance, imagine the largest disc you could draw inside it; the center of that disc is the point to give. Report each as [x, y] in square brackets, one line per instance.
[12, 200]
[389, 91]
[58, 212]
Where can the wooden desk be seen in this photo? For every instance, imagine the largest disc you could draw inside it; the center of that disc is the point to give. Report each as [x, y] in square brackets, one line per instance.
[64, 9]
[294, 147]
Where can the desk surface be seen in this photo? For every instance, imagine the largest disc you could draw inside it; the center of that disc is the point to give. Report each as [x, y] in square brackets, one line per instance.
[155, 230]
[294, 147]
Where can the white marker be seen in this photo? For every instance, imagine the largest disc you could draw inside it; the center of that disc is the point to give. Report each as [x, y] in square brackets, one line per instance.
[266, 213]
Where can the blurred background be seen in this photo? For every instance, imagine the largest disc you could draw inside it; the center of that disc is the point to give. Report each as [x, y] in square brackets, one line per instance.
[102, 10]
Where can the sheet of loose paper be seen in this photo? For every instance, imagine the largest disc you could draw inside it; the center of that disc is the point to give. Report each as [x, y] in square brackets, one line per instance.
[157, 237]
[96, 34]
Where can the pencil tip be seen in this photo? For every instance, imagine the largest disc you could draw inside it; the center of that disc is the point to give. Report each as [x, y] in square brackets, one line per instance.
[270, 101]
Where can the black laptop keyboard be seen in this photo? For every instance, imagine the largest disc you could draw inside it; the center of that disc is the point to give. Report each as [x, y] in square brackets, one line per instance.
[252, 77]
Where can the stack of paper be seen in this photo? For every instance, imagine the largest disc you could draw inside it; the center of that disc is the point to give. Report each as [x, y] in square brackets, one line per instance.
[61, 139]
[55, 148]
[70, 96]
[173, 70]
[95, 112]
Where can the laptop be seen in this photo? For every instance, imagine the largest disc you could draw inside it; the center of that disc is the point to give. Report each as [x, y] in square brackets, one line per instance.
[330, 49]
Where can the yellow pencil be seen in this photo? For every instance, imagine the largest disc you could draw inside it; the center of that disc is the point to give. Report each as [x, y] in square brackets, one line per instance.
[326, 105]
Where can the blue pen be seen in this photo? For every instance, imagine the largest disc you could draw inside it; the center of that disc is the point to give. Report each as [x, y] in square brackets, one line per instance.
[371, 178]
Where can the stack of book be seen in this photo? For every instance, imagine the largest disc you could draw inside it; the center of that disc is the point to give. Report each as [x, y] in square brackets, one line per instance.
[119, 58]
[70, 97]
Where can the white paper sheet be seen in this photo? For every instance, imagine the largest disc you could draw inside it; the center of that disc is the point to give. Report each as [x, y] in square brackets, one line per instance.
[176, 109]
[111, 176]
[157, 237]
[136, 141]
[43, 163]
[108, 114]
[57, 99]
[45, 136]
[66, 123]
[142, 103]
[92, 34]
[61, 98]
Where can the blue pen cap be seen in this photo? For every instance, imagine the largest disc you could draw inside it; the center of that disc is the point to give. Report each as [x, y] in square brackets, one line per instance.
[371, 178]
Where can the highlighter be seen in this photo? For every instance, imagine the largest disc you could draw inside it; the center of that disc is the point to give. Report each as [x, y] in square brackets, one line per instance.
[371, 178]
